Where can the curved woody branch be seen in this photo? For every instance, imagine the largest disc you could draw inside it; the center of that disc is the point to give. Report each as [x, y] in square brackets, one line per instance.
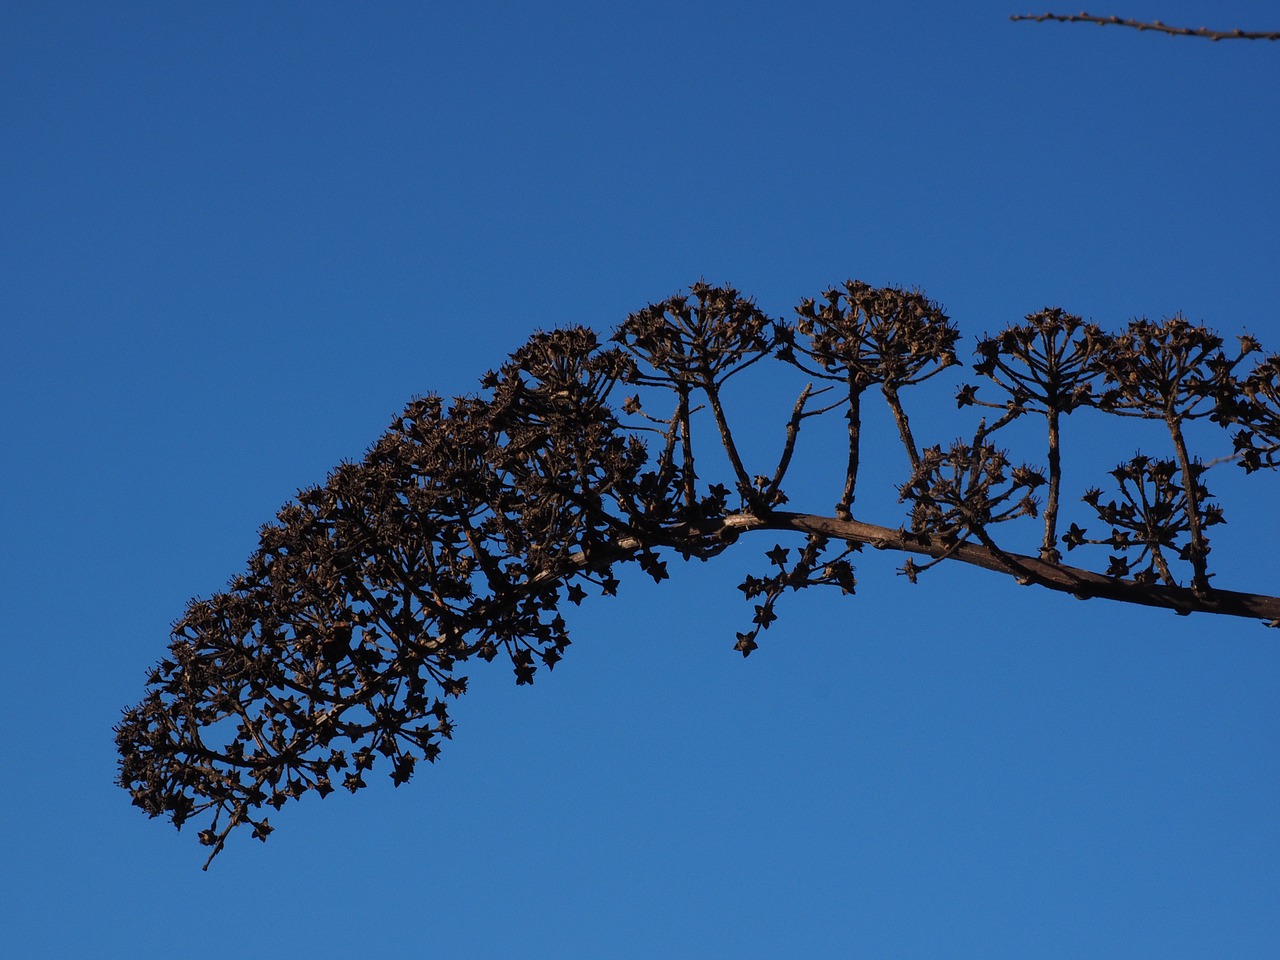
[1078, 582]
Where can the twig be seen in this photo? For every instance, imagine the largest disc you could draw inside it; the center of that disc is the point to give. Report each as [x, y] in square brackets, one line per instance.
[793, 431]
[1156, 25]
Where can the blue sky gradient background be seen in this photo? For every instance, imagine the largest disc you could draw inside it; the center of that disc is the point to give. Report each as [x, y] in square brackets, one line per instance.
[234, 240]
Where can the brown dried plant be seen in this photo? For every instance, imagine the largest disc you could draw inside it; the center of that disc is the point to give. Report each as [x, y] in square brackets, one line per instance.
[469, 523]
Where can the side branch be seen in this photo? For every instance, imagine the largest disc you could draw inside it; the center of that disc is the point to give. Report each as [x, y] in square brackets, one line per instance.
[1080, 583]
[1156, 25]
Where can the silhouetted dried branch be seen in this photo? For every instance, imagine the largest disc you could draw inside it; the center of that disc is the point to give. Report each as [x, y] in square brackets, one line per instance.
[1156, 25]
[468, 524]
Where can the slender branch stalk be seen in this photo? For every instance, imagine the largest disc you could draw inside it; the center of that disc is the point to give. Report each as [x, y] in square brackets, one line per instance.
[726, 440]
[686, 447]
[854, 415]
[1199, 551]
[1049, 548]
[904, 425]
[789, 448]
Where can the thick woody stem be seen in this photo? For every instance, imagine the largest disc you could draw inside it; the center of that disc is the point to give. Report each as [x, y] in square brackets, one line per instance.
[1080, 583]
[1083, 584]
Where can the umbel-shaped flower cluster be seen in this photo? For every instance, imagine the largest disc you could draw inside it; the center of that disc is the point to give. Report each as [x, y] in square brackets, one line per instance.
[469, 523]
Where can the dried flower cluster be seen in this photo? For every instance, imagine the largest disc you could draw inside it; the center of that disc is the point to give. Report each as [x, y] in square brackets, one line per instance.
[469, 523]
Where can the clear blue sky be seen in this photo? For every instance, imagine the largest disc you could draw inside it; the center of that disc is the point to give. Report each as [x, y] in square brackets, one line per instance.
[236, 237]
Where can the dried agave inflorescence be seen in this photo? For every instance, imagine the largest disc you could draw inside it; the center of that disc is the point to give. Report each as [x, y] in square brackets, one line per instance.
[1046, 365]
[815, 566]
[456, 537]
[1173, 371]
[469, 523]
[1154, 516]
[966, 489]
[868, 335]
[700, 343]
[1257, 410]
[698, 346]
[860, 336]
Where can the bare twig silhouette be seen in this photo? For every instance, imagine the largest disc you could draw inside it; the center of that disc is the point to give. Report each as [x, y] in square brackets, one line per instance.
[1202, 32]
